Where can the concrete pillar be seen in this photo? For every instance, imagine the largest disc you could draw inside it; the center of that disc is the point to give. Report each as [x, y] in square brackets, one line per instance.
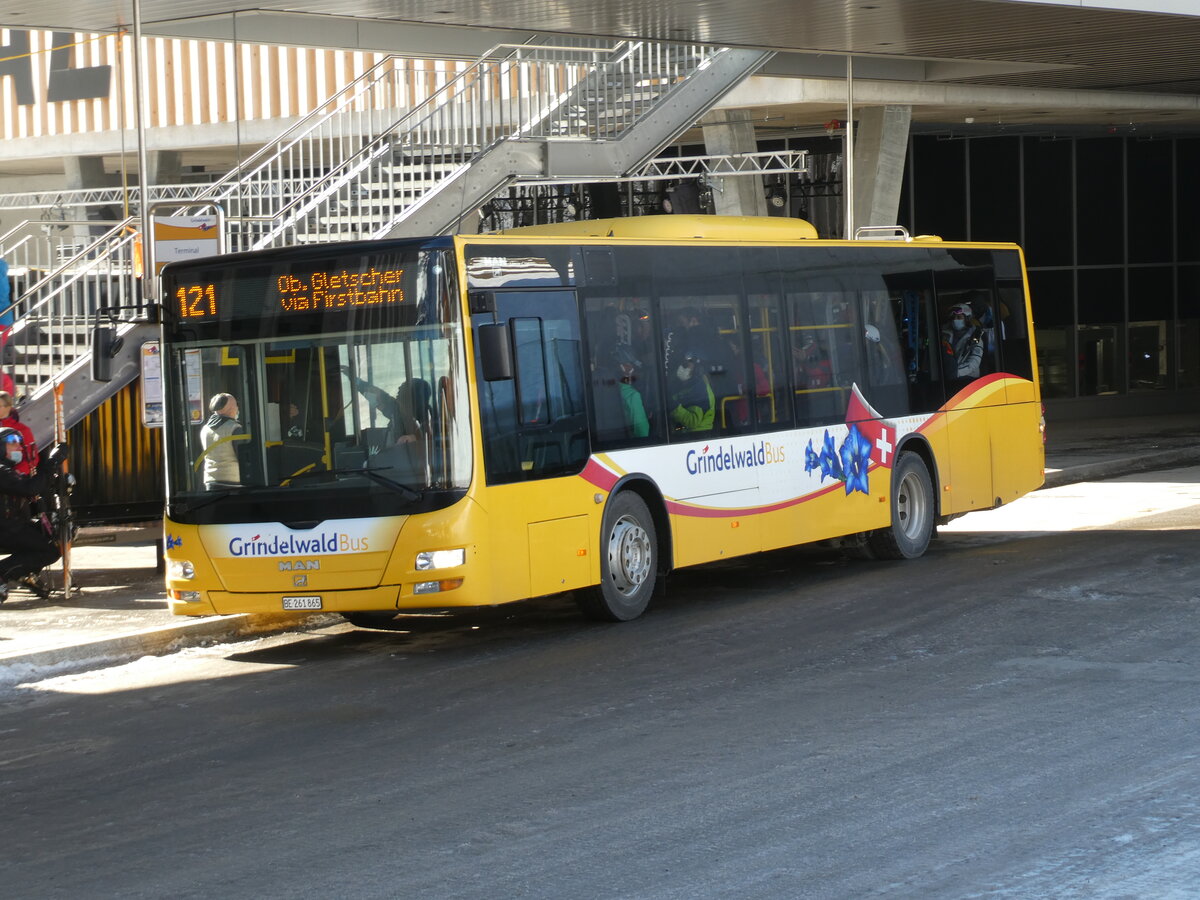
[166, 167]
[880, 145]
[83, 172]
[731, 131]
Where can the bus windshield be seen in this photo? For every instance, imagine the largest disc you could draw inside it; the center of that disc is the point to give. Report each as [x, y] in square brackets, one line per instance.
[348, 412]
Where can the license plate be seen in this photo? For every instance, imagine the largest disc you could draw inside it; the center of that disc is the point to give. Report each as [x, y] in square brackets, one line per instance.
[301, 602]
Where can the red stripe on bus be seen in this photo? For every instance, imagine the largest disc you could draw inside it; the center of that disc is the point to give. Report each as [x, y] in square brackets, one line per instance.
[679, 508]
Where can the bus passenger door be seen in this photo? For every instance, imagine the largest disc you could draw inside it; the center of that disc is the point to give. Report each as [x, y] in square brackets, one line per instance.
[535, 442]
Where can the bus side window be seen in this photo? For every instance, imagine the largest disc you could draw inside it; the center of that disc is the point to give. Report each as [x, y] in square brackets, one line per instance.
[912, 300]
[888, 386]
[770, 356]
[824, 341]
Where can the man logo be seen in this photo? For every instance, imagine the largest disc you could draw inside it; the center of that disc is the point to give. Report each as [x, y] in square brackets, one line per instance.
[300, 581]
[299, 565]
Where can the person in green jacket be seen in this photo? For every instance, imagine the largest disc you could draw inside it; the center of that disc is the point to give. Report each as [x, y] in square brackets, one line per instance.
[631, 398]
[694, 404]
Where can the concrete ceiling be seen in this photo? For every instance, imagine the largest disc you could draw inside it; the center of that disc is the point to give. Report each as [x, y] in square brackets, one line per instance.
[1027, 44]
[1023, 65]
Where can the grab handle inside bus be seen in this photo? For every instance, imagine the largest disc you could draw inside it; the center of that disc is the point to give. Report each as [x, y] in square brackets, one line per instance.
[495, 352]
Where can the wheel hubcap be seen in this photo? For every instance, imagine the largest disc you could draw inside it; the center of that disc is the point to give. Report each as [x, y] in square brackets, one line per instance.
[910, 506]
[629, 555]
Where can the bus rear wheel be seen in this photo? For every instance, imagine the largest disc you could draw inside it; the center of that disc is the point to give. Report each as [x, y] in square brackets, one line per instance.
[628, 562]
[912, 512]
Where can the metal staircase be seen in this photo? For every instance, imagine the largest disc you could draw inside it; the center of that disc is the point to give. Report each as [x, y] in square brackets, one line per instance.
[367, 165]
[568, 110]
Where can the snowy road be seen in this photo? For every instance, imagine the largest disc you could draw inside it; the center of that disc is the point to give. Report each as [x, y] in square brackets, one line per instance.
[1013, 716]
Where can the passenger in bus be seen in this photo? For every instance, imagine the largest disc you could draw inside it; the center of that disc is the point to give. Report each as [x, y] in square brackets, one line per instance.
[961, 347]
[637, 424]
[217, 437]
[693, 404]
[683, 337]
[811, 364]
[736, 405]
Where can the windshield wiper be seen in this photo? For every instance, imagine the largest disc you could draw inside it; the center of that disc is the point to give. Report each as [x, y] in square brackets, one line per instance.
[408, 493]
[209, 498]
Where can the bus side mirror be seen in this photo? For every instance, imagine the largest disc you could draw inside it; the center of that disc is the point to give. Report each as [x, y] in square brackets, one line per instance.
[495, 352]
[105, 345]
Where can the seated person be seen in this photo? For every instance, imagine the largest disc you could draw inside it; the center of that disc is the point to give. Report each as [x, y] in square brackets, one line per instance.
[636, 422]
[693, 404]
[811, 364]
[963, 352]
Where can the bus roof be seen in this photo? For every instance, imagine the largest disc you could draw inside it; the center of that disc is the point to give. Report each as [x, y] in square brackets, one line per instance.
[678, 227]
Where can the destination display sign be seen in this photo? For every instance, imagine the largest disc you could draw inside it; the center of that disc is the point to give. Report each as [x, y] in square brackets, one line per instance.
[293, 283]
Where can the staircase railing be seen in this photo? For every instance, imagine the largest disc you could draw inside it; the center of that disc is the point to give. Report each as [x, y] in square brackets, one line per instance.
[279, 172]
[558, 92]
[60, 298]
[563, 92]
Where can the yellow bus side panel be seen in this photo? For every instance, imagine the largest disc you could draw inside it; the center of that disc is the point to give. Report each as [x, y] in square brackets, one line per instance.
[523, 538]
[700, 538]
[560, 555]
[1018, 454]
[968, 484]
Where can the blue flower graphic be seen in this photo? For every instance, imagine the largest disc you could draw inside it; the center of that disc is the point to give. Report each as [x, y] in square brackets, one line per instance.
[831, 466]
[811, 460]
[856, 460]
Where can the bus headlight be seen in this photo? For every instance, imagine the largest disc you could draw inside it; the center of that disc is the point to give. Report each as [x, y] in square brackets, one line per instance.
[185, 596]
[441, 559]
[180, 569]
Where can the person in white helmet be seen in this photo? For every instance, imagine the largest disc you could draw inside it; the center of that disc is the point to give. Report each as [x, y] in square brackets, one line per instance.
[29, 546]
[960, 341]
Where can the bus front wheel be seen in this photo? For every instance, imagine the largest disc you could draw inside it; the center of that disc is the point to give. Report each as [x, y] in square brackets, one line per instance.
[912, 512]
[628, 562]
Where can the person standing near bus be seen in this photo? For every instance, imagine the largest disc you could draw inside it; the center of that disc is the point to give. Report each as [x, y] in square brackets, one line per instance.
[10, 419]
[30, 546]
[221, 466]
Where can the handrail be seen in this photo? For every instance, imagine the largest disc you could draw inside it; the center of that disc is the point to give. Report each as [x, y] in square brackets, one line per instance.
[306, 126]
[560, 97]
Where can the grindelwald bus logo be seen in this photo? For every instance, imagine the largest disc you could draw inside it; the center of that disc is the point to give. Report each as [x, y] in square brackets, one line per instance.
[297, 545]
[727, 458]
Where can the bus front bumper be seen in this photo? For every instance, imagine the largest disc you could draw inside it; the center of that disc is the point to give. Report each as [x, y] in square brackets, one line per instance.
[444, 592]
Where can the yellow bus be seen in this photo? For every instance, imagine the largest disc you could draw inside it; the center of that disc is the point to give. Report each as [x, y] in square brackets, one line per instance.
[471, 420]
